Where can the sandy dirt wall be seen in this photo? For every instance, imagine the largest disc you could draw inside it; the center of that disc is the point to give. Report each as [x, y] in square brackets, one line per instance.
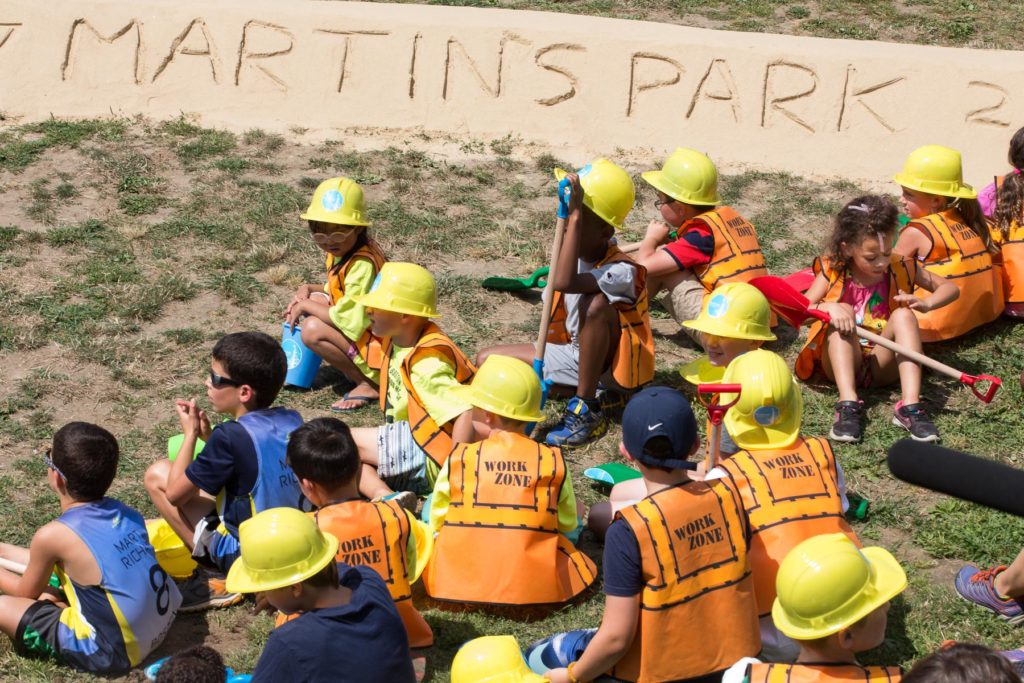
[579, 84]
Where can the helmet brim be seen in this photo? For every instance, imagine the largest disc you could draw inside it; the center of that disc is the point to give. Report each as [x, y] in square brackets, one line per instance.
[243, 579]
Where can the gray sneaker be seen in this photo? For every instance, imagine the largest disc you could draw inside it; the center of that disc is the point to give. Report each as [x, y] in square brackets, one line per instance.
[205, 589]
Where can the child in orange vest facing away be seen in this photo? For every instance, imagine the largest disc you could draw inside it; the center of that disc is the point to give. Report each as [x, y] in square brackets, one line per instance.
[501, 505]
[791, 486]
[383, 535]
[333, 324]
[833, 599]
[949, 235]
[420, 367]
[861, 280]
[676, 562]
[1008, 232]
[733, 321]
[714, 244]
[600, 330]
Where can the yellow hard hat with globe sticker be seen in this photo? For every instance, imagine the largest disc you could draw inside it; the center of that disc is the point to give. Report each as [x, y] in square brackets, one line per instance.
[402, 288]
[608, 190]
[492, 659]
[826, 584]
[735, 310]
[337, 200]
[770, 407]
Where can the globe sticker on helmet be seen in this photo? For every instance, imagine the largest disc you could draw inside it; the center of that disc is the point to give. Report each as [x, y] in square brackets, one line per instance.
[585, 170]
[376, 283]
[718, 305]
[766, 416]
[332, 200]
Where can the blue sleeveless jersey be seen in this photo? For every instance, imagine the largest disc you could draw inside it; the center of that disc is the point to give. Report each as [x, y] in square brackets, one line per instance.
[276, 485]
[115, 625]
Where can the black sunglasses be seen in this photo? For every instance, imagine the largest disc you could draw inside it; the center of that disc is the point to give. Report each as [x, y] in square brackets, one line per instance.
[219, 381]
[49, 463]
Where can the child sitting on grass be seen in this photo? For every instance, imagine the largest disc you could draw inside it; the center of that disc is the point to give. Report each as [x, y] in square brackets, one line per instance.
[698, 246]
[348, 629]
[114, 603]
[600, 329]
[950, 237]
[239, 472]
[833, 599]
[674, 563]
[383, 536]
[335, 326]
[1008, 216]
[421, 365]
[501, 505]
[862, 281]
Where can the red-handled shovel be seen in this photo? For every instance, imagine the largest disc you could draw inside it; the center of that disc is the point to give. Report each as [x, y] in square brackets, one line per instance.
[792, 306]
[707, 393]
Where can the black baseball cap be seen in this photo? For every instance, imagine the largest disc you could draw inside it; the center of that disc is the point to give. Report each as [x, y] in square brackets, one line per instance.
[660, 411]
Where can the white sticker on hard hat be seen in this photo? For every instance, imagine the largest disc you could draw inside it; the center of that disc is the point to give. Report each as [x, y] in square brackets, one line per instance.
[332, 200]
[585, 170]
[766, 416]
[376, 283]
[718, 305]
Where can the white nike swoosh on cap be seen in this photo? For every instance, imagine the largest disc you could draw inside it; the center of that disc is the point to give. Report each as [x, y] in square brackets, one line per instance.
[651, 428]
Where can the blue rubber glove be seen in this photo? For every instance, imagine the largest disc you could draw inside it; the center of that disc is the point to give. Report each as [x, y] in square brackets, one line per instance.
[564, 194]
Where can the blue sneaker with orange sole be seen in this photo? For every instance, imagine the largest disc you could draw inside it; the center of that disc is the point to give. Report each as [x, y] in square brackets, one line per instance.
[978, 586]
[580, 425]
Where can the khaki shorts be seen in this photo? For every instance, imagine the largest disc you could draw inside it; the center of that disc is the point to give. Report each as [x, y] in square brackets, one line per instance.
[684, 302]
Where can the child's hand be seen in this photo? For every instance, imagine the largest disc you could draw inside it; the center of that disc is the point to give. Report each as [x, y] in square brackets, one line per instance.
[301, 294]
[189, 417]
[576, 200]
[658, 231]
[296, 310]
[263, 605]
[204, 426]
[558, 676]
[842, 317]
[913, 302]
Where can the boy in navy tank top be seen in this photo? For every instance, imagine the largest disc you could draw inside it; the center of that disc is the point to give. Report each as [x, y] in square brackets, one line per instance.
[114, 603]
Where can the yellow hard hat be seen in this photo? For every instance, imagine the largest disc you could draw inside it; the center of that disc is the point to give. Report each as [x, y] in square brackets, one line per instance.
[934, 169]
[403, 288]
[337, 200]
[687, 176]
[826, 584]
[171, 552]
[701, 371]
[492, 659]
[735, 310]
[768, 412]
[280, 547]
[608, 190]
[505, 386]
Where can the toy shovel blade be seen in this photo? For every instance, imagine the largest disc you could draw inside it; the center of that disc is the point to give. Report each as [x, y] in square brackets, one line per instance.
[513, 284]
[785, 300]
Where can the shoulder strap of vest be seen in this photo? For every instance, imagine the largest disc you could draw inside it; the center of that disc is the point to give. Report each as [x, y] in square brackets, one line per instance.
[714, 218]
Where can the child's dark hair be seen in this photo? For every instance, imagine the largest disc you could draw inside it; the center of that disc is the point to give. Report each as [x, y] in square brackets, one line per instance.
[322, 451]
[659, 447]
[973, 217]
[1010, 196]
[963, 663]
[325, 578]
[199, 664]
[256, 359]
[86, 454]
[861, 218]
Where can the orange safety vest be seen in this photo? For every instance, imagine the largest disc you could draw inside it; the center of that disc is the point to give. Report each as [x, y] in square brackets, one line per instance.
[436, 441]
[693, 546]
[633, 364]
[500, 544]
[822, 673]
[1012, 250]
[737, 256]
[368, 345]
[375, 535]
[959, 255]
[902, 272]
[789, 495]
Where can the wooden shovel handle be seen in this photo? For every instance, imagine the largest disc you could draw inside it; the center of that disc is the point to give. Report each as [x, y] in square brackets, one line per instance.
[549, 292]
[909, 353]
[12, 566]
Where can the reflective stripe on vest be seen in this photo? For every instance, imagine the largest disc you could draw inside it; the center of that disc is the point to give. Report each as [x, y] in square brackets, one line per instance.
[789, 495]
[368, 345]
[376, 535]
[136, 601]
[693, 548]
[902, 273]
[737, 256]
[500, 543]
[436, 441]
[633, 363]
[822, 673]
[959, 255]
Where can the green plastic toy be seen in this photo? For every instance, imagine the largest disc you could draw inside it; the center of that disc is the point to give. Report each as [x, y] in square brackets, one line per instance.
[513, 284]
[611, 474]
[174, 445]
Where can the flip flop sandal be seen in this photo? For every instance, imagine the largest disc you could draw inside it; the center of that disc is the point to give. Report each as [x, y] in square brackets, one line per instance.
[363, 401]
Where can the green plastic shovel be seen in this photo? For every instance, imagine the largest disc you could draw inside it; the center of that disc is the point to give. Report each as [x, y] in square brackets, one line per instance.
[512, 284]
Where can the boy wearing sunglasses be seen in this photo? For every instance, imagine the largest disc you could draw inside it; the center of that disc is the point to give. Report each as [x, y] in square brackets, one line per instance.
[334, 325]
[113, 603]
[239, 472]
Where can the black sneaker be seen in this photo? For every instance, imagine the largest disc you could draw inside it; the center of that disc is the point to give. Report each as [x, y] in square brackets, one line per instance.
[915, 420]
[847, 425]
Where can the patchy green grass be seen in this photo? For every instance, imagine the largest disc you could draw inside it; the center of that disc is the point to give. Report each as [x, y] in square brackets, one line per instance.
[111, 316]
[960, 23]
